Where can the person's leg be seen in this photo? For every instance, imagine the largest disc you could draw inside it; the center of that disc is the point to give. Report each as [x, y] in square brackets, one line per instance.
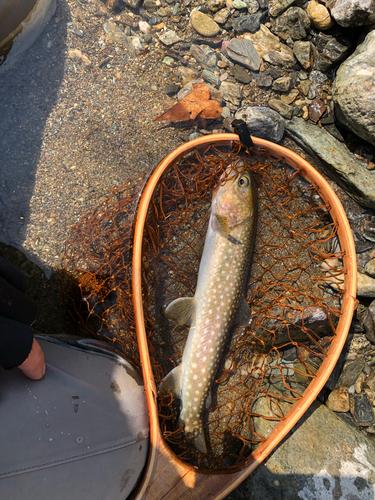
[80, 433]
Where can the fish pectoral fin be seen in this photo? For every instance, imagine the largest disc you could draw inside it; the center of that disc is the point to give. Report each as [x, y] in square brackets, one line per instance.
[243, 315]
[220, 224]
[181, 310]
[172, 382]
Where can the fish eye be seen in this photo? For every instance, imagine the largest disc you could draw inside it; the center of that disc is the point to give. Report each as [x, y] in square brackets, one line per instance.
[243, 181]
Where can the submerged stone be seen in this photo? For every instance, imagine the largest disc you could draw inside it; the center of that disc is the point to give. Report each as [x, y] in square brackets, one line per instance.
[243, 52]
[203, 24]
[343, 166]
[294, 23]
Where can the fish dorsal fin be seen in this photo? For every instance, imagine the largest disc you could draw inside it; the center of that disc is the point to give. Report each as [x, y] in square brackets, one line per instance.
[172, 382]
[243, 315]
[220, 225]
[181, 310]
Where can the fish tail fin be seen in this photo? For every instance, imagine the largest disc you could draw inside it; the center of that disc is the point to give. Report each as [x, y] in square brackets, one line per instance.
[199, 442]
[196, 438]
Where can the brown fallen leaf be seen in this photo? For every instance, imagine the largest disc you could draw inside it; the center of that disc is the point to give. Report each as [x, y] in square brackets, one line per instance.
[195, 105]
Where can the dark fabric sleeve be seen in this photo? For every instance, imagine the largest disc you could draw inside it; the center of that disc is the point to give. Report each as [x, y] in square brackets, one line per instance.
[12, 275]
[16, 340]
[15, 305]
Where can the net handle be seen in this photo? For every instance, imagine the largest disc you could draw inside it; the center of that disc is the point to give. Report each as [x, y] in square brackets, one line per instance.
[159, 452]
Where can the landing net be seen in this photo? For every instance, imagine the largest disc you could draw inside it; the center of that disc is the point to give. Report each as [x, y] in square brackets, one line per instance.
[294, 289]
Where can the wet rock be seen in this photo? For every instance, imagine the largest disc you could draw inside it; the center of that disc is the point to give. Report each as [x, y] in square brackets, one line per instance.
[350, 372]
[187, 75]
[203, 24]
[144, 27]
[215, 5]
[169, 37]
[294, 23]
[353, 90]
[263, 122]
[172, 90]
[369, 229]
[210, 77]
[239, 4]
[369, 323]
[282, 108]
[344, 167]
[333, 52]
[222, 16]
[282, 84]
[304, 53]
[370, 381]
[169, 61]
[317, 77]
[243, 52]
[264, 41]
[304, 374]
[319, 15]
[290, 96]
[252, 6]
[282, 57]
[338, 400]
[316, 109]
[370, 268]
[263, 79]
[231, 93]
[164, 11]
[204, 55]
[240, 74]
[132, 3]
[277, 7]
[248, 24]
[365, 286]
[150, 5]
[361, 409]
[305, 86]
[352, 12]
[313, 91]
[322, 455]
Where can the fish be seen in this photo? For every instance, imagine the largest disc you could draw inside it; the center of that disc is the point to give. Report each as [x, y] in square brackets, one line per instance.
[219, 302]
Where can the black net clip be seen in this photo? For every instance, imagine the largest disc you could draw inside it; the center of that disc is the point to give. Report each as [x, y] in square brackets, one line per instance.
[240, 128]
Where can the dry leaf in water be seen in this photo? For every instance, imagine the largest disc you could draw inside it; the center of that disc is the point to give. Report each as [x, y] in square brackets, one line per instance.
[195, 105]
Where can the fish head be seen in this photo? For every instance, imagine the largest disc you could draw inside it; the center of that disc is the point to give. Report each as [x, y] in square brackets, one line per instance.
[236, 198]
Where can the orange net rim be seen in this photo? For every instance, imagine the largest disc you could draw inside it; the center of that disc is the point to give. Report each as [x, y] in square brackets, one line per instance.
[348, 304]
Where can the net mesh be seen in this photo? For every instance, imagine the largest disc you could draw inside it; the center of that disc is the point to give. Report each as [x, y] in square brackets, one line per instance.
[267, 365]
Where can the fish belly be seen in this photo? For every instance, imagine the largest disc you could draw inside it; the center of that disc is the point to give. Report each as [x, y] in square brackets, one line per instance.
[219, 291]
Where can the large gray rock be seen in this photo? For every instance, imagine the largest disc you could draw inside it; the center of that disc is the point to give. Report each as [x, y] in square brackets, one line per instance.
[324, 458]
[352, 12]
[263, 122]
[349, 172]
[354, 90]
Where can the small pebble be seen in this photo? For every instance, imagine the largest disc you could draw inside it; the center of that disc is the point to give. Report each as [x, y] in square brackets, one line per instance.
[338, 400]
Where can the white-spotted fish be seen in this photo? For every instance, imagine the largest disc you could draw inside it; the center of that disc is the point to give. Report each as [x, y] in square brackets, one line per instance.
[219, 302]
